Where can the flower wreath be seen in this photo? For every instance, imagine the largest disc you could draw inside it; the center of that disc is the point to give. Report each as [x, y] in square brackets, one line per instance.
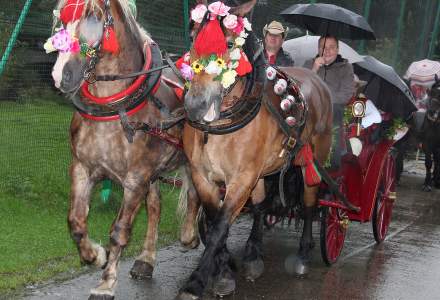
[211, 45]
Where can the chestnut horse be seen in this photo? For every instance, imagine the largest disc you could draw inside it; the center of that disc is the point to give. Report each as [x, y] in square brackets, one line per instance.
[104, 141]
[240, 159]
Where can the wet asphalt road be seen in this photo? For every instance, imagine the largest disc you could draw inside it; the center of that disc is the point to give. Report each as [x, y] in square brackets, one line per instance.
[405, 266]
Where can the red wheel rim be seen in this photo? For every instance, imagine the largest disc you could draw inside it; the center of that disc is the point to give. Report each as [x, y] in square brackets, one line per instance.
[335, 234]
[385, 198]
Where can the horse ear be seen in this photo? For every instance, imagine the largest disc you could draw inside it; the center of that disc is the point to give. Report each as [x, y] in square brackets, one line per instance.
[243, 9]
[436, 78]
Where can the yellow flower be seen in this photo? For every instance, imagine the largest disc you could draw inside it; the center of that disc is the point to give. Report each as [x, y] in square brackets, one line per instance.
[221, 63]
[197, 67]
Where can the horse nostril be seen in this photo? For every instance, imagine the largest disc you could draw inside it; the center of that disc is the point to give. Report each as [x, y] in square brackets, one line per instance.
[67, 76]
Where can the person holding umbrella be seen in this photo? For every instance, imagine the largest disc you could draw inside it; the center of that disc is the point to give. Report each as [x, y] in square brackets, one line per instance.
[338, 73]
[274, 34]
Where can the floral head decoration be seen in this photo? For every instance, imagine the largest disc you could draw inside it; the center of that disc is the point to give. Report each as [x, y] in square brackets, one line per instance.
[210, 44]
[65, 41]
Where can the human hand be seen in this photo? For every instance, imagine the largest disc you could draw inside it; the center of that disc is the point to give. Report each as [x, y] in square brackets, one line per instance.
[318, 63]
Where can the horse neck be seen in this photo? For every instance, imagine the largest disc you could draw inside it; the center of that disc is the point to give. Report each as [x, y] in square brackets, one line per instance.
[130, 59]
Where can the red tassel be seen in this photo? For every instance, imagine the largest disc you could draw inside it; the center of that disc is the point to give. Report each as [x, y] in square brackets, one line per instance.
[312, 175]
[72, 11]
[211, 40]
[304, 158]
[110, 41]
[244, 66]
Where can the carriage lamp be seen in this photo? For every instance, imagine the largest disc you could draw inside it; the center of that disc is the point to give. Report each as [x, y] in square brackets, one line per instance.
[358, 111]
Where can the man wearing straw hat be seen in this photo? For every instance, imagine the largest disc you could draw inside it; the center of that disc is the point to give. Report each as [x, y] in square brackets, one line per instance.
[274, 35]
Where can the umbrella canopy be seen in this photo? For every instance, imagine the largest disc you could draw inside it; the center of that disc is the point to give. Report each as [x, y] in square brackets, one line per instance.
[306, 47]
[329, 19]
[423, 72]
[385, 88]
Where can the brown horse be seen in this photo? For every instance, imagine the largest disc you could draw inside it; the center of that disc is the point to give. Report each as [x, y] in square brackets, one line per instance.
[240, 160]
[104, 141]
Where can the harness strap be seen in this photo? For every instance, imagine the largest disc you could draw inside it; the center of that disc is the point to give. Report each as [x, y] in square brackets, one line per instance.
[129, 130]
[173, 67]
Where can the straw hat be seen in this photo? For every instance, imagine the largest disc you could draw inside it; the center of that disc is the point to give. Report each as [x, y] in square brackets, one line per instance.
[275, 27]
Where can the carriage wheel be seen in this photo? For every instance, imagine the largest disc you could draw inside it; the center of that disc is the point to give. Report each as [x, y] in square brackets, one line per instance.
[334, 223]
[385, 196]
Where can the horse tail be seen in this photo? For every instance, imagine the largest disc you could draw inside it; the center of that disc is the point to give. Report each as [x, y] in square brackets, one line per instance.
[186, 188]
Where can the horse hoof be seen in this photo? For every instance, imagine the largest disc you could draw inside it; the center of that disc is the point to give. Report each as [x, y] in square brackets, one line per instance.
[426, 188]
[186, 296]
[295, 265]
[101, 297]
[191, 245]
[223, 286]
[141, 270]
[253, 269]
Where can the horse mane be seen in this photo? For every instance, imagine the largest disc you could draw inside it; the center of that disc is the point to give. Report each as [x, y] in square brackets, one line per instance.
[127, 16]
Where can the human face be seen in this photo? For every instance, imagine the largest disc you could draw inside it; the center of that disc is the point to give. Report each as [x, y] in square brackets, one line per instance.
[273, 42]
[331, 50]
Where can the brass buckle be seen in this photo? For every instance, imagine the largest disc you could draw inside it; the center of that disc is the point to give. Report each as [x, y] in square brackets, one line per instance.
[291, 142]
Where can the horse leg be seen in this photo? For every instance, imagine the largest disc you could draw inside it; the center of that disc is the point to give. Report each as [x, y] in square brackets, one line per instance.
[215, 258]
[300, 264]
[81, 187]
[427, 185]
[144, 264]
[436, 177]
[253, 264]
[136, 185]
[188, 234]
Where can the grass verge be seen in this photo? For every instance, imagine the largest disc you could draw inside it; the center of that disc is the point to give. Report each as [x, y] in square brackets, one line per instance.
[35, 244]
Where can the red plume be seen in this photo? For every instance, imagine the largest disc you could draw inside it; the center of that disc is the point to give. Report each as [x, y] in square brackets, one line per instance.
[72, 11]
[211, 39]
[110, 41]
[244, 66]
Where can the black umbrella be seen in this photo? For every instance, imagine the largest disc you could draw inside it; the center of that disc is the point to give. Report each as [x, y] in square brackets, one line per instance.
[328, 19]
[385, 88]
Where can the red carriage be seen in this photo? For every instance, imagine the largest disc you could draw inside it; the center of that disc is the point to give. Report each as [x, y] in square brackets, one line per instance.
[367, 181]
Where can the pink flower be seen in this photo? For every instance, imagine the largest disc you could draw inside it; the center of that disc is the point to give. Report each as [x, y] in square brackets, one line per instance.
[187, 72]
[230, 21]
[240, 25]
[198, 13]
[75, 47]
[62, 41]
[218, 9]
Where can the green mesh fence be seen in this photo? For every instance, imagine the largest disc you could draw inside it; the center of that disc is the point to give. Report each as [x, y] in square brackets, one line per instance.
[34, 118]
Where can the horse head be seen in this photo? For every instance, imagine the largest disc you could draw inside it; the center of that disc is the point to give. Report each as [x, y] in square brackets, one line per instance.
[433, 110]
[217, 57]
[93, 33]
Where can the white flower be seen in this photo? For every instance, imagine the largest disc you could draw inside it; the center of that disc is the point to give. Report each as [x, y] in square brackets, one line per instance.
[235, 54]
[233, 64]
[228, 78]
[230, 21]
[198, 13]
[243, 34]
[247, 24]
[213, 68]
[219, 9]
[239, 41]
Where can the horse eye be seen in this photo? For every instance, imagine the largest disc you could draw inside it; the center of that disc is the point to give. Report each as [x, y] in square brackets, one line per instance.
[230, 44]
